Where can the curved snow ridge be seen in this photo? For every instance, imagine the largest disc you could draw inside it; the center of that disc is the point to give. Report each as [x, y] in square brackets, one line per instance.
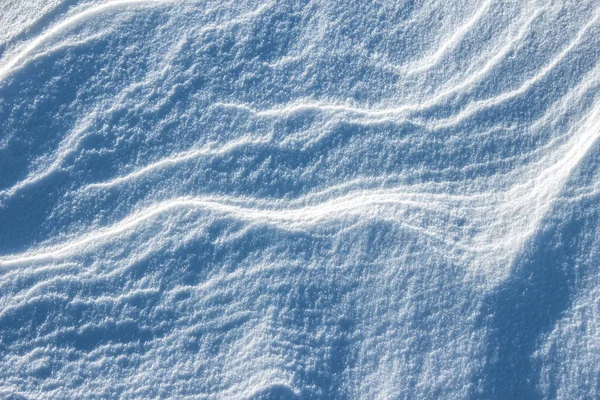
[541, 191]
[24, 56]
[380, 114]
[10, 65]
[273, 199]
[471, 109]
[431, 60]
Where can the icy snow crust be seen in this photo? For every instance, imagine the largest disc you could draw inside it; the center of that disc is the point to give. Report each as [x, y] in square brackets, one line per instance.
[299, 199]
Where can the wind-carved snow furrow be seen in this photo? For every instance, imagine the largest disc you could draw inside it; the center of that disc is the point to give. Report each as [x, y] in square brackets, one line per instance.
[210, 219]
[66, 148]
[9, 66]
[538, 192]
[34, 26]
[378, 114]
[20, 59]
[477, 106]
[393, 113]
[591, 79]
[69, 145]
[405, 111]
[174, 160]
[431, 60]
[308, 215]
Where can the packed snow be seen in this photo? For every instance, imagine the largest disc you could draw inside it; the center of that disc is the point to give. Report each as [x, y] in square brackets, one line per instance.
[299, 199]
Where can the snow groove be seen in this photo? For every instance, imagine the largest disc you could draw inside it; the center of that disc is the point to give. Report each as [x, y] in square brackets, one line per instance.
[247, 199]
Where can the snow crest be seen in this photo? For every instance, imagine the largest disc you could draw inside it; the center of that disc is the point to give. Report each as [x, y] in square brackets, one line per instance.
[299, 199]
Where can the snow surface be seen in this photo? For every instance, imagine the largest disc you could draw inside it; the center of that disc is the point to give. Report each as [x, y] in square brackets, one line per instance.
[299, 199]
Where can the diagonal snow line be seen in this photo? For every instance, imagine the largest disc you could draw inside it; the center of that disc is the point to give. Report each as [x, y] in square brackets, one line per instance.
[8, 67]
[175, 160]
[447, 45]
[72, 141]
[406, 109]
[538, 192]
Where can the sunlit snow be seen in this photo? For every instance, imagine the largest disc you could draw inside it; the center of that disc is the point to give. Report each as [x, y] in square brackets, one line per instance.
[299, 199]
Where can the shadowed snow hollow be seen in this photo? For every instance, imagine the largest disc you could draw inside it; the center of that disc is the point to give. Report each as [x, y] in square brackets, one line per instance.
[299, 199]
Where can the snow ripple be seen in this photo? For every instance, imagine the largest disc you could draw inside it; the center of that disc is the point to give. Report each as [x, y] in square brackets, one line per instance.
[299, 199]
